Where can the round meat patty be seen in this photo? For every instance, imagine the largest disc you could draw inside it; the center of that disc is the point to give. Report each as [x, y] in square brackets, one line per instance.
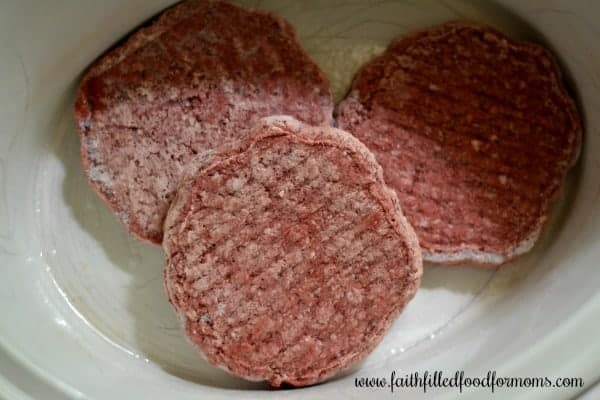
[199, 76]
[474, 131]
[287, 255]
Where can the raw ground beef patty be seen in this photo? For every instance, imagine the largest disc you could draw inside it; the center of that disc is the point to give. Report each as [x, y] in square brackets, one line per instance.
[474, 131]
[201, 75]
[287, 255]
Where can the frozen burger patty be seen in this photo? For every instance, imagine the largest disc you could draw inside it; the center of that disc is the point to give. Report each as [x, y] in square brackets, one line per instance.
[197, 77]
[474, 131]
[287, 255]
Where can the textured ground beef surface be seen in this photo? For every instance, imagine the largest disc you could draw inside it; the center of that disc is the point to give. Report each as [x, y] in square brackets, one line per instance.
[199, 76]
[287, 255]
[474, 131]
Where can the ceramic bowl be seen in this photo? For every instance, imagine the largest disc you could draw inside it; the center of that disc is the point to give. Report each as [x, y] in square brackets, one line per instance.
[83, 313]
